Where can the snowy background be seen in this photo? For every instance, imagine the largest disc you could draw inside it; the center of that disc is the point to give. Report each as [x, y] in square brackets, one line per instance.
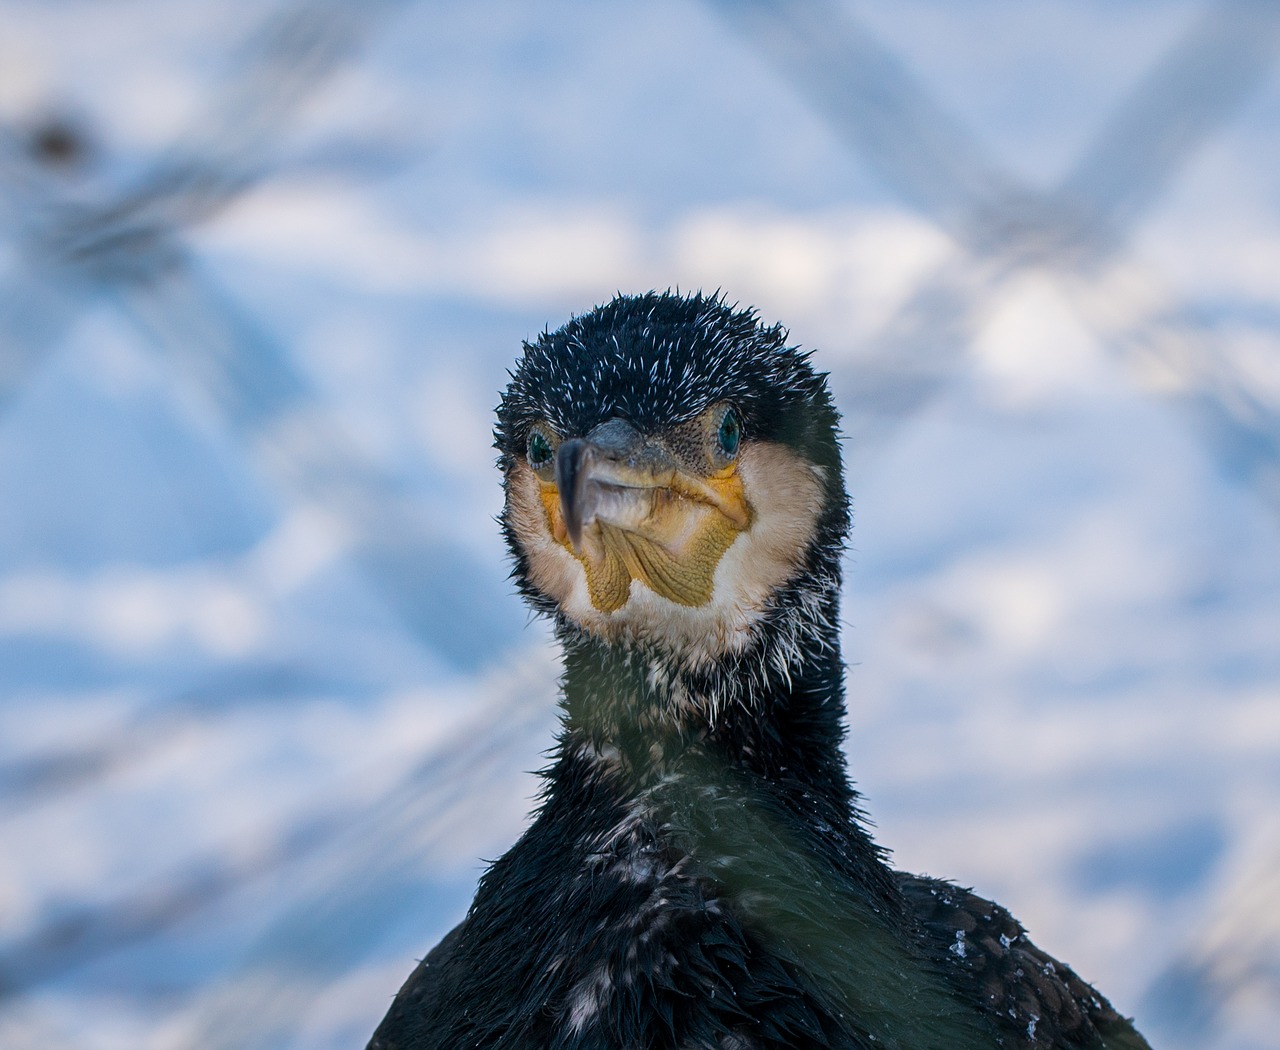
[266, 697]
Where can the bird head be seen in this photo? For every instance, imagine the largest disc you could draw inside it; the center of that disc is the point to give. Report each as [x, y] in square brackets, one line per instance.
[671, 469]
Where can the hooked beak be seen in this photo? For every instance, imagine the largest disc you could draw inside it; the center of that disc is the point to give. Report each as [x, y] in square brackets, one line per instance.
[592, 471]
[600, 475]
[631, 510]
[572, 474]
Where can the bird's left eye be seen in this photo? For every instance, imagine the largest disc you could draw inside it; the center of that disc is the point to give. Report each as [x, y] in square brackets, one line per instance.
[729, 436]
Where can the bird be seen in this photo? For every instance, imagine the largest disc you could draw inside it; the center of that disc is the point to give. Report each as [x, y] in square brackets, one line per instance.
[699, 873]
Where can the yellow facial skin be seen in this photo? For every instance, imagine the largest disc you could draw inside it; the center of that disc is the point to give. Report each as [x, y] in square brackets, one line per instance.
[668, 533]
[770, 496]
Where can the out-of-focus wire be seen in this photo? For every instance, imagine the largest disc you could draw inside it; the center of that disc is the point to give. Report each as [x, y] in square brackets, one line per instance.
[339, 854]
[364, 879]
[1075, 231]
[130, 248]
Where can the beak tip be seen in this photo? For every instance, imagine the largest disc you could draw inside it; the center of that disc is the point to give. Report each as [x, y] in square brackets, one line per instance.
[574, 529]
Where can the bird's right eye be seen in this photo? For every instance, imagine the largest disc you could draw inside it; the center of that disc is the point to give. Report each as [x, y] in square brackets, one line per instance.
[541, 449]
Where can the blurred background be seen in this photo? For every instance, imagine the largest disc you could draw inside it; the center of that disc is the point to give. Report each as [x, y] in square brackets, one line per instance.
[266, 696]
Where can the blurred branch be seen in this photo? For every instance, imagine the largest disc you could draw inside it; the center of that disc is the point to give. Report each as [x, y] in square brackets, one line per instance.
[871, 99]
[131, 249]
[1075, 231]
[45, 776]
[341, 855]
[1234, 960]
[1220, 62]
[432, 583]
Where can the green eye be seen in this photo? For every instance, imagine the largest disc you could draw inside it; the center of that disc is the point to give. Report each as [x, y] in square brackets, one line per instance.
[729, 436]
[540, 450]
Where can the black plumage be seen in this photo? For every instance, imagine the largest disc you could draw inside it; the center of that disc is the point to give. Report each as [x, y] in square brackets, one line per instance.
[698, 874]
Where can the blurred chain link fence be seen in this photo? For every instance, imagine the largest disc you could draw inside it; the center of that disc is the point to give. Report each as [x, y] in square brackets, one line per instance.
[127, 247]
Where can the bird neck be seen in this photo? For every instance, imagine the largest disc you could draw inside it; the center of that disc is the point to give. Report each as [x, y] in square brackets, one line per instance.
[773, 711]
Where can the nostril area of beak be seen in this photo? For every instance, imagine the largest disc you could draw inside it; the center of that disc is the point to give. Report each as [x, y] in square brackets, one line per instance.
[617, 439]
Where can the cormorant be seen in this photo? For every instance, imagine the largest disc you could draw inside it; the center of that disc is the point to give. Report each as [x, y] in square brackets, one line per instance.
[698, 875]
